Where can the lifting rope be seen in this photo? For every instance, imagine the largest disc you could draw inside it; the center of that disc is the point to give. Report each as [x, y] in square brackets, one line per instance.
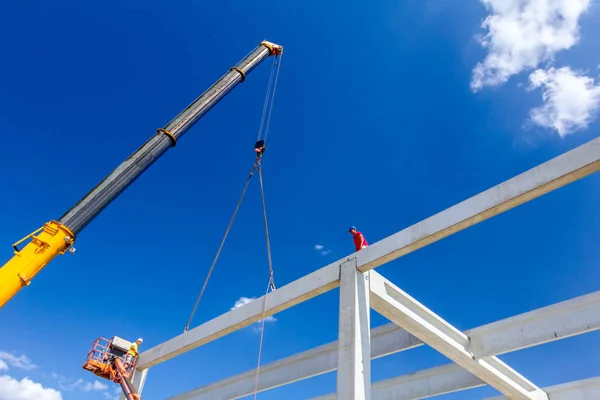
[269, 100]
[270, 286]
[260, 147]
[212, 267]
[264, 207]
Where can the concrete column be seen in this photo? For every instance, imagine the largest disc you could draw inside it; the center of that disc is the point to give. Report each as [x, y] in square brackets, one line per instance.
[138, 380]
[354, 339]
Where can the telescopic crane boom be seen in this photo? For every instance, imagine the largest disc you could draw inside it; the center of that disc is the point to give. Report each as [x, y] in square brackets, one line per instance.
[56, 237]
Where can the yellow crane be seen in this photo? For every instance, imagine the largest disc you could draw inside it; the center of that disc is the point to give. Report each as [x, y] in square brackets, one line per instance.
[36, 250]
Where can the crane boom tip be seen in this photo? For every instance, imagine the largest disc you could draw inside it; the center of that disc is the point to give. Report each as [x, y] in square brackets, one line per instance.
[276, 50]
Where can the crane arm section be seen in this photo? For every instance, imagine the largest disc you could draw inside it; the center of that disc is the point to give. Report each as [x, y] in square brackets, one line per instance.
[56, 237]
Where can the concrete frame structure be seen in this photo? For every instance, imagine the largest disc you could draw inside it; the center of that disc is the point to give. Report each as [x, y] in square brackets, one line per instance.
[361, 288]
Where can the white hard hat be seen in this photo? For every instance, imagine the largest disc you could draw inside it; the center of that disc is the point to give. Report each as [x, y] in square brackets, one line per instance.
[139, 340]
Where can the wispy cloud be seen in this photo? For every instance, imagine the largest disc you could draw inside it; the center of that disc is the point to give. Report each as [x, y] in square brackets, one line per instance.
[3, 366]
[571, 99]
[94, 386]
[322, 250]
[115, 395]
[12, 361]
[69, 385]
[245, 300]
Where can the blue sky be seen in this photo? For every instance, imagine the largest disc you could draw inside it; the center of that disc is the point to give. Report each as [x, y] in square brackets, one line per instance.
[380, 121]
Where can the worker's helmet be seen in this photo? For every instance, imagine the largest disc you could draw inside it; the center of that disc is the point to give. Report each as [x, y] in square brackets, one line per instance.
[351, 228]
[139, 340]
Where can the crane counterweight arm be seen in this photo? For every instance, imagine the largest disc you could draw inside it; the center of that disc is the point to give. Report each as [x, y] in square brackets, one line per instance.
[56, 237]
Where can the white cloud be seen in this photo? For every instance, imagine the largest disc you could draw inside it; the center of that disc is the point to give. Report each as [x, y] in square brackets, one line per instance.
[20, 362]
[522, 34]
[94, 386]
[321, 249]
[109, 396]
[68, 385]
[25, 389]
[245, 300]
[116, 394]
[571, 99]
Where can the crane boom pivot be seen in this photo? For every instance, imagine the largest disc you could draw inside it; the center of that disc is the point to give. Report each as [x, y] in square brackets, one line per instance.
[56, 237]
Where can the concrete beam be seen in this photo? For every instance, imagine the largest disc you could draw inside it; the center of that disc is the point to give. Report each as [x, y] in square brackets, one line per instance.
[385, 340]
[585, 389]
[560, 171]
[548, 324]
[400, 308]
[303, 289]
[414, 386]
[354, 339]
[422, 384]
[558, 321]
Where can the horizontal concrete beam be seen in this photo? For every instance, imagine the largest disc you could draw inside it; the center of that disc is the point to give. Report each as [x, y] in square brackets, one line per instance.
[421, 384]
[560, 171]
[400, 308]
[303, 289]
[585, 389]
[415, 386]
[385, 340]
[548, 324]
[558, 321]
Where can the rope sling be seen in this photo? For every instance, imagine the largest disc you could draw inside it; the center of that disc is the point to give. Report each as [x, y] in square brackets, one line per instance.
[259, 148]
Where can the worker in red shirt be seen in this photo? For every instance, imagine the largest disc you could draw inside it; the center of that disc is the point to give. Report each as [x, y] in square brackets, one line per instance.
[359, 240]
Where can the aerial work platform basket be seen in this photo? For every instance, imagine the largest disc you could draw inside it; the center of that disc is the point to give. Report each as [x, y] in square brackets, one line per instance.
[101, 358]
[107, 359]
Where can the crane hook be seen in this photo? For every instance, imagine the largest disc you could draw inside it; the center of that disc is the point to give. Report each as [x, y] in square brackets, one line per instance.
[259, 148]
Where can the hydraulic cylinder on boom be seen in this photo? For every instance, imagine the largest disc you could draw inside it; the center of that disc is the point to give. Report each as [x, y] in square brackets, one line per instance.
[57, 237]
